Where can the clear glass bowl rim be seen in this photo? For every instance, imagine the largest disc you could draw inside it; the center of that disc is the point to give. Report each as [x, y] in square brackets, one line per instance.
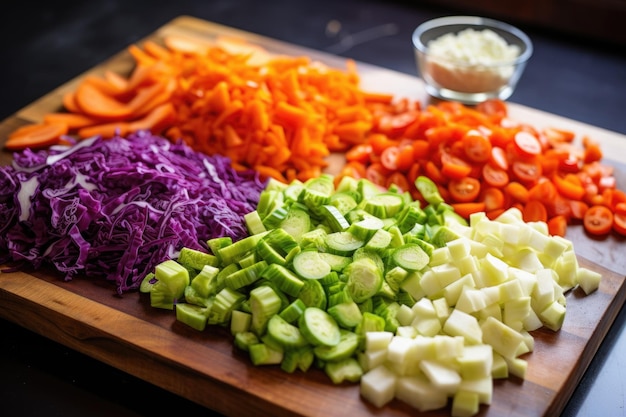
[474, 21]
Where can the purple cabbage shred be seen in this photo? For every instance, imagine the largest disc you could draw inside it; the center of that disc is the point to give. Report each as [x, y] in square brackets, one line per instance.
[113, 209]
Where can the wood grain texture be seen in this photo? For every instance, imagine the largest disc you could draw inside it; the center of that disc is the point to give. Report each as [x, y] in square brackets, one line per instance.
[125, 332]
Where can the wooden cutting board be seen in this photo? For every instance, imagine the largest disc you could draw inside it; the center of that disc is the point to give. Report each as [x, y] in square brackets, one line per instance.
[204, 367]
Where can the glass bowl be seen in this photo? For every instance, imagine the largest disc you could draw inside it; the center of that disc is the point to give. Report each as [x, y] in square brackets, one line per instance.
[477, 59]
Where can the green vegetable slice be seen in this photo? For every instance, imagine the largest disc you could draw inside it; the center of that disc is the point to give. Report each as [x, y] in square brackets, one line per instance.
[313, 294]
[411, 257]
[342, 243]
[347, 346]
[365, 279]
[192, 315]
[310, 265]
[428, 190]
[284, 333]
[319, 328]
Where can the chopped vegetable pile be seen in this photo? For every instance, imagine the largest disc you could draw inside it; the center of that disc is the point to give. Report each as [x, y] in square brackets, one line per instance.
[409, 299]
[281, 116]
[484, 161]
[200, 179]
[116, 208]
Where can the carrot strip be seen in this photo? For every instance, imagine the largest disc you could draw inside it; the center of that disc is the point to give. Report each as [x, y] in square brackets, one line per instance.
[36, 136]
[95, 103]
[105, 86]
[73, 121]
[106, 130]
[69, 102]
[116, 80]
[157, 120]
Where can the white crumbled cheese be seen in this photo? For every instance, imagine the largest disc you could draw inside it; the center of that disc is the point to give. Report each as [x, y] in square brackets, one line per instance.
[473, 52]
[473, 47]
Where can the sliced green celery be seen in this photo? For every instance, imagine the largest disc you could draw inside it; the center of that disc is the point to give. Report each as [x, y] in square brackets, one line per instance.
[192, 258]
[172, 278]
[344, 370]
[262, 354]
[192, 315]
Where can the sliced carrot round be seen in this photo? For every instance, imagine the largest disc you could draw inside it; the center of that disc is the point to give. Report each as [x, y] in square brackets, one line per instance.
[517, 191]
[495, 177]
[399, 180]
[360, 152]
[598, 220]
[578, 209]
[569, 189]
[377, 174]
[493, 198]
[493, 107]
[477, 146]
[535, 211]
[527, 144]
[544, 191]
[557, 226]
[454, 167]
[527, 171]
[466, 209]
[394, 125]
[619, 218]
[498, 158]
[464, 190]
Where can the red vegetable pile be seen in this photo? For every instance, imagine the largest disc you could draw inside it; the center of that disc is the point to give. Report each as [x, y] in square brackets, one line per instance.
[115, 208]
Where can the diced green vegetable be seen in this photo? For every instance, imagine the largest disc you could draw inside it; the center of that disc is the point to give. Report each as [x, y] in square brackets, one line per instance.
[319, 328]
[171, 280]
[330, 270]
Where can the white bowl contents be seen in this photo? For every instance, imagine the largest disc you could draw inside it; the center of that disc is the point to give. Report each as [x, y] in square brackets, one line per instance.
[470, 59]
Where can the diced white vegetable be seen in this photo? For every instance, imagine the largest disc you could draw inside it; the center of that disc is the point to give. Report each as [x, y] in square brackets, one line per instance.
[471, 300]
[446, 273]
[442, 309]
[406, 331]
[495, 269]
[445, 378]
[553, 315]
[377, 340]
[453, 291]
[412, 286]
[440, 256]
[517, 366]
[516, 309]
[378, 386]
[372, 358]
[430, 284]
[419, 393]
[465, 325]
[588, 280]
[501, 337]
[481, 386]
[427, 326]
[476, 361]
[459, 248]
[499, 369]
[543, 293]
[448, 348]
[405, 315]
[465, 404]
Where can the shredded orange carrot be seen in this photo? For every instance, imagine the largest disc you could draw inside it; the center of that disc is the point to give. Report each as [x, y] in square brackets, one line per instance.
[280, 115]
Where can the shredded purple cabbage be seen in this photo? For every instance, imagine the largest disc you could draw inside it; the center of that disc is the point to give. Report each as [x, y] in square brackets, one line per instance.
[115, 208]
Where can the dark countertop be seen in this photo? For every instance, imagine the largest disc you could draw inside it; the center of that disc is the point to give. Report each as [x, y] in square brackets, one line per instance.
[45, 44]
